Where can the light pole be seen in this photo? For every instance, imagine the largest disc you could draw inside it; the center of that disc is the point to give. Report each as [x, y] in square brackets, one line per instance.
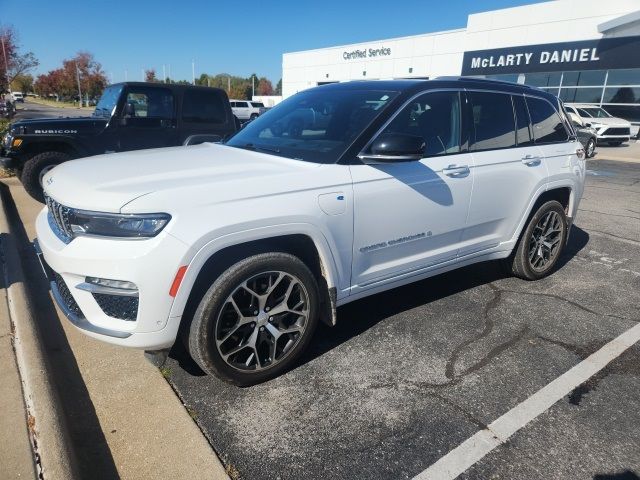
[164, 74]
[78, 79]
[253, 85]
[193, 72]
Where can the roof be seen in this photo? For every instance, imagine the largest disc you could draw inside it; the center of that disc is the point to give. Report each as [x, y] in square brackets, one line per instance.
[173, 86]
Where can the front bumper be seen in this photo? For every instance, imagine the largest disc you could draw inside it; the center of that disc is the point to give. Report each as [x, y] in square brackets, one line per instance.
[150, 264]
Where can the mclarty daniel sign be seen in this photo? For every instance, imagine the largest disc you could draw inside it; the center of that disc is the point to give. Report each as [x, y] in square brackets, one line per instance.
[604, 53]
[366, 53]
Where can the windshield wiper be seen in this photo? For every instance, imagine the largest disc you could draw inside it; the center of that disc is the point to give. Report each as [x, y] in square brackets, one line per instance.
[251, 146]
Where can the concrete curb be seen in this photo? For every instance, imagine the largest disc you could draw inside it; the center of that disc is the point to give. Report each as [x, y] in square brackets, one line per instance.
[47, 425]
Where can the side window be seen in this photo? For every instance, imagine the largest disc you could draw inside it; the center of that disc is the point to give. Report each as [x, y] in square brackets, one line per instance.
[523, 133]
[149, 103]
[547, 124]
[203, 106]
[433, 116]
[493, 124]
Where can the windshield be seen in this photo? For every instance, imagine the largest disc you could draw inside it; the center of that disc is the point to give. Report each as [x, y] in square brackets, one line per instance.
[314, 125]
[108, 101]
[257, 104]
[596, 112]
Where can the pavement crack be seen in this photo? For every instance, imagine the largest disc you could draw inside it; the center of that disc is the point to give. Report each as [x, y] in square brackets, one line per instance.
[469, 416]
[607, 234]
[497, 350]
[610, 214]
[449, 371]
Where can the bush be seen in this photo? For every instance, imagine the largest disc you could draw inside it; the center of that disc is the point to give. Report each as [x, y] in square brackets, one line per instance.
[4, 128]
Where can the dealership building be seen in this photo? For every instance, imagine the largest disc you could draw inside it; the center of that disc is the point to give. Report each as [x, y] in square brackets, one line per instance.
[585, 51]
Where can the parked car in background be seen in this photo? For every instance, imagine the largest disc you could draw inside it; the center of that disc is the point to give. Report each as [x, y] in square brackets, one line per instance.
[243, 248]
[17, 97]
[609, 129]
[128, 116]
[7, 109]
[587, 137]
[246, 110]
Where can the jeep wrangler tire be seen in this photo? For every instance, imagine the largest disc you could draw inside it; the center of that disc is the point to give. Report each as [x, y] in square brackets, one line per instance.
[35, 168]
[256, 319]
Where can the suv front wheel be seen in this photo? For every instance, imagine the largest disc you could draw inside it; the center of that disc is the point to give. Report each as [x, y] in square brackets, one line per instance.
[541, 243]
[256, 319]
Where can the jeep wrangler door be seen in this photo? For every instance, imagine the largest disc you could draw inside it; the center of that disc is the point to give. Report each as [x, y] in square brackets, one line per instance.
[147, 119]
[410, 208]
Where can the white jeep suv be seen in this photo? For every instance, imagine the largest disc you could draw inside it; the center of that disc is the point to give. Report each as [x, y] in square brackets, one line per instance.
[246, 110]
[241, 249]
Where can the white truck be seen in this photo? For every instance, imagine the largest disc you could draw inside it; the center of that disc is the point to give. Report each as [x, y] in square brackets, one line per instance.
[241, 249]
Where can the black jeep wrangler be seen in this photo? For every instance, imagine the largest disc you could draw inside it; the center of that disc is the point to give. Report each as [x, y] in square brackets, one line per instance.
[129, 116]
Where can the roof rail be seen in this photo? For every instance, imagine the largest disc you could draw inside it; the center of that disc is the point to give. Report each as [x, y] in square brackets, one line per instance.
[476, 79]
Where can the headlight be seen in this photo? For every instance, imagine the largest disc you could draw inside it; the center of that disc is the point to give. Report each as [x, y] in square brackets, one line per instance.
[7, 140]
[117, 225]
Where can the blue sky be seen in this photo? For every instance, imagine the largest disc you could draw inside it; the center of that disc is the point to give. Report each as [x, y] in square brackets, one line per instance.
[239, 38]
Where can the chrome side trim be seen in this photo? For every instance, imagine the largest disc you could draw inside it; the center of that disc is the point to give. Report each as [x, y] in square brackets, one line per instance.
[81, 322]
[93, 288]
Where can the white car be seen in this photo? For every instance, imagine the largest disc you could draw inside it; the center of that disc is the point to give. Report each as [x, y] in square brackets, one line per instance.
[242, 248]
[17, 96]
[246, 110]
[609, 129]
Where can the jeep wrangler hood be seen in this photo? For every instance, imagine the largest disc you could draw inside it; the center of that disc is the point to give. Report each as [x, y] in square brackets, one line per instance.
[108, 182]
[60, 126]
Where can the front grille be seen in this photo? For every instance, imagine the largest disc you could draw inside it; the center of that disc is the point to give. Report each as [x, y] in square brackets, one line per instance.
[617, 131]
[67, 298]
[118, 306]
[59, 219]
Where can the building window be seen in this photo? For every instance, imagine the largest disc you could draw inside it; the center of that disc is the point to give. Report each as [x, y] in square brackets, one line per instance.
[543, 79]
[624, 77]
[588, 77]
[581, 95]
[621, 95]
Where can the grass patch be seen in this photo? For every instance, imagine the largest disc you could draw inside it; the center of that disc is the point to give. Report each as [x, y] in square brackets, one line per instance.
[192, 413]
[165, 372]
[53, 103]
[232, 471]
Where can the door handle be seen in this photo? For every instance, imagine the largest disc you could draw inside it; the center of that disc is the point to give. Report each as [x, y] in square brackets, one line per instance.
[456, 170]
[531, 161]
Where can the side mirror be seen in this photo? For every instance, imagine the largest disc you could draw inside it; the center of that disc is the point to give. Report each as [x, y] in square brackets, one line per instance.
[129, 110]
[395, 147]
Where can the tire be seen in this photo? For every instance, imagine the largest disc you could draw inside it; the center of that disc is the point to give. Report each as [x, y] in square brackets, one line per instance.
[253, 116]
[232, 336]
[532, 259]
[615, 144]
[35, 168]
[590, 149]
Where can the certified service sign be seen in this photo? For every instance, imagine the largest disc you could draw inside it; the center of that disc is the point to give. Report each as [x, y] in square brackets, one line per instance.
[604, 53]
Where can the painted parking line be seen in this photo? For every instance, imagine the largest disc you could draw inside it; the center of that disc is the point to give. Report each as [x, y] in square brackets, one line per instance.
[498, 432]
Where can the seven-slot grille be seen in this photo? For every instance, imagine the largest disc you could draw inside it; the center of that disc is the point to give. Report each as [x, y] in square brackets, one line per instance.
[617, 131]
[59, 217]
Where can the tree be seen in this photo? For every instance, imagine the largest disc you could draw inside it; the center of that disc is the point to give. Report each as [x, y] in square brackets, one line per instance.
[22, 83]
[264, 87]
[12, 61]
[63, 82]
[150, 75]
[278, 90]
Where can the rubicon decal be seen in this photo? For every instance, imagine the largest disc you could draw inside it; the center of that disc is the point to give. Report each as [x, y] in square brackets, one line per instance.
[56, 132]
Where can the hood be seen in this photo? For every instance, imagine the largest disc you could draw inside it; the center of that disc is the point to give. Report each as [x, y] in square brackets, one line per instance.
[108, 182]
[59, 126]
[619, 122]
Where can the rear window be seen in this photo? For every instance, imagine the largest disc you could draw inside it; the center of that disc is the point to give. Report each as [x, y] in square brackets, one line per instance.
[203, 106]
[547, 124]
[493, 122]
[257, 104]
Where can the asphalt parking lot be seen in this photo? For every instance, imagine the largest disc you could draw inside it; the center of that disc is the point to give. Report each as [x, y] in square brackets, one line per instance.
[408, 375]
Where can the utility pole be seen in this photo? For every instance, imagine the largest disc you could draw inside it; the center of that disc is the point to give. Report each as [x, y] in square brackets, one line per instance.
[253, 85]
[164, 74]
[126, 76]
[193, 72]
[6, 65]
[169, 73]
[228, 84]
[78, 79]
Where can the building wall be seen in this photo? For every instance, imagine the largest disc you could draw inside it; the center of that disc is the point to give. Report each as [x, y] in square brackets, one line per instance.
[441, 53]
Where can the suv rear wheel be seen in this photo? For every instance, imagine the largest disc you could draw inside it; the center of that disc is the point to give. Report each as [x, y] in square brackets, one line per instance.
[36, 167]
[256, 319]
[541, 243]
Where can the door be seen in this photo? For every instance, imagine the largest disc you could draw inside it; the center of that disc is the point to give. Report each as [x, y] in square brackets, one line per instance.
[147, 119]
[508, 168]
[409, 216]
[242, 110]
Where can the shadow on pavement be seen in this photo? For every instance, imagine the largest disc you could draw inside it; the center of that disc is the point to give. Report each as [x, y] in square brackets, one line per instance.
[89, 444]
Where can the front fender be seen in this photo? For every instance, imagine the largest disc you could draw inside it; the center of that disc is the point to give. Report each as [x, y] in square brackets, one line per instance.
[195, 262]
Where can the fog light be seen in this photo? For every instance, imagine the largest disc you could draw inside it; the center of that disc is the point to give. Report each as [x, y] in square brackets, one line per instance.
[105, 282]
